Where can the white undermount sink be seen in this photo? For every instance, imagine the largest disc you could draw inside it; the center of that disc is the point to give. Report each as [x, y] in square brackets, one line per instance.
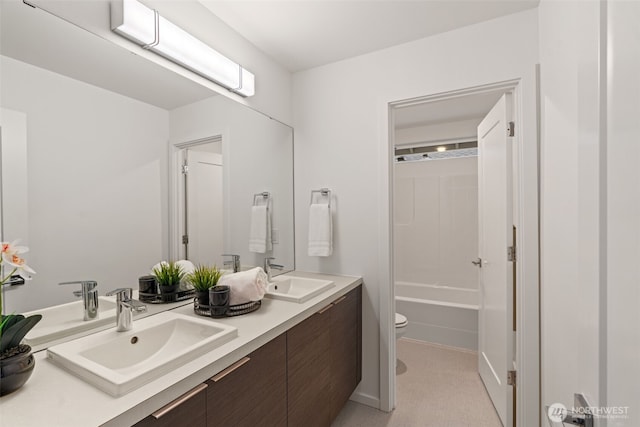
[296, 289]
[64, 320]
[119, 362]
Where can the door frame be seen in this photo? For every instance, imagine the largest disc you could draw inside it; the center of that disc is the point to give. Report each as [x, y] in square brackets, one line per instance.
[176, 190]
[526, 219]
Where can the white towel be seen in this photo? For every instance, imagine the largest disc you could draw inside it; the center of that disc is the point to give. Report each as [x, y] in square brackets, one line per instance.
[187, 267]
[245, 286]
[260, 234]
[320, 230]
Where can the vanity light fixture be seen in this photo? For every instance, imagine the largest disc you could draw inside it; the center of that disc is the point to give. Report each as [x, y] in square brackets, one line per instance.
[146, 27]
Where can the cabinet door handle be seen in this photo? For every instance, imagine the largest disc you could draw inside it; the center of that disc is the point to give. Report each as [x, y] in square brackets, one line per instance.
[339, 300]
[230, 369]
[325, 309]
[179, 401]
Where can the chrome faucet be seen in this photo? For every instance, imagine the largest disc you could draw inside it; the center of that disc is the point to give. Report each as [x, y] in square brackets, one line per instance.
[125, 305]
[268, 266]
[89, 294]
[235, 262]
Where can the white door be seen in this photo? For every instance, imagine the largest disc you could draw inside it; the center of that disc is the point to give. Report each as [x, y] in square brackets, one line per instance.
[204, 207]
[495, 346]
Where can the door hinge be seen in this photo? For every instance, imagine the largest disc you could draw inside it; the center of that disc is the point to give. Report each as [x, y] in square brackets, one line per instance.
[185, 169]
[511, 253]
[511, 378]
[185, 239]
[511, 129]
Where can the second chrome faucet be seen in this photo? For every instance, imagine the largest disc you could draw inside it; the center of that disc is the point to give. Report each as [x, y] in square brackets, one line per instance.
[89, 294]
[125, 306]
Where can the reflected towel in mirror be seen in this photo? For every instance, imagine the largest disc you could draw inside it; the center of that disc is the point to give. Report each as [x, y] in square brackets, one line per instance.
[260, 234]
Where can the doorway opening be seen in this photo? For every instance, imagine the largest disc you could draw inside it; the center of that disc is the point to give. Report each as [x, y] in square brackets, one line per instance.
[200, 215]
[455, 167]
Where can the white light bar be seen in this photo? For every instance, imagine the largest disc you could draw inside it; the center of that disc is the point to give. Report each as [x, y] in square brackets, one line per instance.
[147, 28]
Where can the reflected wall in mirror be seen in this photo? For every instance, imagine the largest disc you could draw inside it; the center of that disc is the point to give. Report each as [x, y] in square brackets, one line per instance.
[89, 155]
[250, 154]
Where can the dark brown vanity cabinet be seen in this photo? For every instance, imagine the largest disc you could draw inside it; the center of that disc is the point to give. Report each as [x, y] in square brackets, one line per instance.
[309, 371]
[324, 361]
[190, 409]
[345, 348]
[301, 378]
[253, 391]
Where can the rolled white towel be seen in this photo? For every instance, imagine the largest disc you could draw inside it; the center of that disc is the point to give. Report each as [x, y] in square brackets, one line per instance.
[187, 267]
[158, 265]
[245, 286]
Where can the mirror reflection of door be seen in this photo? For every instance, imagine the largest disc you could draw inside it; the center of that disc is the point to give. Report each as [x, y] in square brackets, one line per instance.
[204, 204]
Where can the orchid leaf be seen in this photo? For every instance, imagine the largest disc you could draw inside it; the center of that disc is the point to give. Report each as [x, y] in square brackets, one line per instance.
[12, 335]
[9, 321]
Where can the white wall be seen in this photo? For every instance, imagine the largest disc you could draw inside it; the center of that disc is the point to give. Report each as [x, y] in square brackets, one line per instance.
[436, 222]
[96, 184]
[14, 167]
[342, 137]
[623, 211]
[273, 82]
[570, 200]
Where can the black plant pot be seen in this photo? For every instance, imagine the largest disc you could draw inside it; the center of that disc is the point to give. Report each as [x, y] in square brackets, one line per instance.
[170, 289]
[15, 370]
[203, 298]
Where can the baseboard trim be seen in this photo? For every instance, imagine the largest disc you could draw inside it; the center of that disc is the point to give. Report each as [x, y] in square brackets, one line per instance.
[435, 344]
[365, 399]
[443, 335]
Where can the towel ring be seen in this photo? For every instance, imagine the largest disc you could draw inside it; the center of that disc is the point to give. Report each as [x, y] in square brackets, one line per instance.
[261, 196]
[323, 192]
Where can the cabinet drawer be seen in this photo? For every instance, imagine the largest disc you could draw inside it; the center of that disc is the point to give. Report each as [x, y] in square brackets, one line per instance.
[190, 409]
[251, 392]
[345, 354]
[309, 371]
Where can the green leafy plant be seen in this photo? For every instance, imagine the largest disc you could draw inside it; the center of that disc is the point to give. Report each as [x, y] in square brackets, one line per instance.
[13, 329]
[204, 277]
[168, 274]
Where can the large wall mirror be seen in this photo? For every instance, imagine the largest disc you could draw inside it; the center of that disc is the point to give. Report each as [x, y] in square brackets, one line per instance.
[93, 139]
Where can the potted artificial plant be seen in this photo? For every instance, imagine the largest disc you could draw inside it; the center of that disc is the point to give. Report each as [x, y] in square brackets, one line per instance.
[16, 360]
[202, 279]
[168, 275]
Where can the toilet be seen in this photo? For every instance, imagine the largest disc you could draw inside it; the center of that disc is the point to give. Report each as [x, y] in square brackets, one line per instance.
[401, 325]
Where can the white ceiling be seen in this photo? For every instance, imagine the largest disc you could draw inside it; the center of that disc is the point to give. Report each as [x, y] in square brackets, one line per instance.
[297, 33]
[449, 110]
[36, 37]
[302, 34]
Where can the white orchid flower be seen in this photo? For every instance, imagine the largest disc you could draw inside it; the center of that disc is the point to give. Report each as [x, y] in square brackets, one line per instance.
[11, 255]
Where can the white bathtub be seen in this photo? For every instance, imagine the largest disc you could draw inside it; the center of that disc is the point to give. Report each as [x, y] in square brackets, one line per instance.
[443, 315]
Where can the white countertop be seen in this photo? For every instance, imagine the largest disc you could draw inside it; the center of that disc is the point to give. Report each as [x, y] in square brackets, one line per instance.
[53, 397]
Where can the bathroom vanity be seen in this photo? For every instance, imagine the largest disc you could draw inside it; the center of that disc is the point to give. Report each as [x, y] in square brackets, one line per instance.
[291, 363]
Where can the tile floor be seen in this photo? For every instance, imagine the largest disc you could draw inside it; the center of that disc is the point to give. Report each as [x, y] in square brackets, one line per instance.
[436, 387]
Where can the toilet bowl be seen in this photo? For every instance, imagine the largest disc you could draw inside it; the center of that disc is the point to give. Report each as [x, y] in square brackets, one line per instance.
[401, 325]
